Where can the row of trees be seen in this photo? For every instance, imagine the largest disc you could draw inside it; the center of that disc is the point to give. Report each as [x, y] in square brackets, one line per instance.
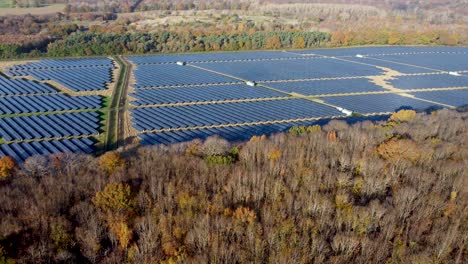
[100, 44]
[90, 43]
[389, 192]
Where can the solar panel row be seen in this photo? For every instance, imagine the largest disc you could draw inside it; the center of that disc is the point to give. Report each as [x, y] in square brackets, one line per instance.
[24, 150]
[292, 69]
[322, 87]
[204, 57]
[175, 75]
[378, 103]
[376, 51]
[47, 103]
[64, 63]
[201, 93]
[49, 126]
[146, 119]
[22, 87]
[75, 79]
[429, 81]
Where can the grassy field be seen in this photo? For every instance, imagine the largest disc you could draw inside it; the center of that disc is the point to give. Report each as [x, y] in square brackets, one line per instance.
[5, 4]
[6, 9]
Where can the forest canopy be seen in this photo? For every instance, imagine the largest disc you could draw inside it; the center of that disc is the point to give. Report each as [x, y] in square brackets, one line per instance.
[368, 192]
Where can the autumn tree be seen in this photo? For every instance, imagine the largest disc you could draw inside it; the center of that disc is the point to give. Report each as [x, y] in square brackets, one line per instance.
[111, 162]
[298, 42]
[403, 116]
[115, 197]
[7, 166]
[273, 42]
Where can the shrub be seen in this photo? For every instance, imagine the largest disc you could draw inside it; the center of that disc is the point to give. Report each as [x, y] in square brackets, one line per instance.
[403, 116]
[111, 162]
[7, 166]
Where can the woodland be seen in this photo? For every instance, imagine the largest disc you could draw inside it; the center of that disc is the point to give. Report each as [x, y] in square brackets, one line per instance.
[392, 191]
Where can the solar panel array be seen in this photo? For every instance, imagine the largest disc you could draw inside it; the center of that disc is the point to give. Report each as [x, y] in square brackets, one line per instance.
[174, 75]
[78, 75]
[49, 126]
[37, 119]
[429, 81]
[24, 150]
[292, 69]
[176, 103]
[201, 94]
[148, 119]
[457, 98]
[22, 87]
[207, 57]
[379, 103]
[47, 103]
[323, 87]
[234, 95]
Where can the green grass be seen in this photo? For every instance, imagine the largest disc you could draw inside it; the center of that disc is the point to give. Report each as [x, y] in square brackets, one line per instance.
[112, 124]
[6, 4]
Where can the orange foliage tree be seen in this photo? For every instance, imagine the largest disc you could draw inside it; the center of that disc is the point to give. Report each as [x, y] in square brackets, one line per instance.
[111, 162]
[273, 42]
[7, 166]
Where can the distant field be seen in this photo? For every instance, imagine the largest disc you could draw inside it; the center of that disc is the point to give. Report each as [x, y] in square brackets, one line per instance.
[5, 4]
[6, 9]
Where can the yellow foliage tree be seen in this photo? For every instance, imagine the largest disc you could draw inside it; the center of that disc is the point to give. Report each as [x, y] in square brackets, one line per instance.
[403, 116]
[7, 166]
[244, 214]
[114, 197]
[393, 38]
[298, 42]
[314, 128]
[396, 149]
[274, 155]
[273, 42]
[122, 232]
[111, 162]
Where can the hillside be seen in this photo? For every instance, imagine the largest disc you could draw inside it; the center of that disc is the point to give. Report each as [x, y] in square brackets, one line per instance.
[361, 193]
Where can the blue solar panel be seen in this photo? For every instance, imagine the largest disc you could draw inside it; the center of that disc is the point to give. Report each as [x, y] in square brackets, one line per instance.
[47, 103]
[22, 87]
[378, 103]
[175, 75]
[235, 133]
[48, 126]
[457, 98]
[228, 113]
[24, 150]
[75, 79]
[429, 81]
[375, 51]
[292, 69]
[202, 57]
[402, 68]
[438, 61]
[201, 93]
[320, 87]
[65, 63]
[75, 74]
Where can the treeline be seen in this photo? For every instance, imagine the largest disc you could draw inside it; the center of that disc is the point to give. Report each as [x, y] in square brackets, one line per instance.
[85, 44]
[391, 192]
[91, 43]
[125, 6]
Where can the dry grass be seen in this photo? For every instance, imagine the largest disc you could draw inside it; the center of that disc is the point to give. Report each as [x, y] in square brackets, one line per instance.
[33, 10]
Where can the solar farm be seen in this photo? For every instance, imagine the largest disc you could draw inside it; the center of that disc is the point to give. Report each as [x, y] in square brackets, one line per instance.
[58, 105]
[53, 106]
